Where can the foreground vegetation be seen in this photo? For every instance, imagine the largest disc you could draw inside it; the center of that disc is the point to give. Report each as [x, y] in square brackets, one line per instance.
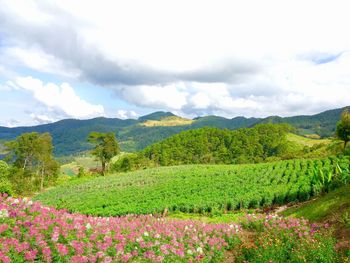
[31, 232]
[200, 188]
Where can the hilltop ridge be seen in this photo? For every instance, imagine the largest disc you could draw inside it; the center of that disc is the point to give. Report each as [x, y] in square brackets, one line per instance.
[69, 135]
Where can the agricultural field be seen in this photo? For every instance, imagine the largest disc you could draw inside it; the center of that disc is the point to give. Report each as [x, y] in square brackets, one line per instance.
[72, 168]
[198, 188]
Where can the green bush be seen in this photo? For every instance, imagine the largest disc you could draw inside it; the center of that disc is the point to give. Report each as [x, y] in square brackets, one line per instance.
[5, 187]
[4, 169]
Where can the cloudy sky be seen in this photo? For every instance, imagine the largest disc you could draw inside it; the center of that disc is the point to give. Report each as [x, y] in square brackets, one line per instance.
[82, 59]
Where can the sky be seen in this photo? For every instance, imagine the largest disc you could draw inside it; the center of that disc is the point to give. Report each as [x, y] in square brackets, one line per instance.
[123, 59]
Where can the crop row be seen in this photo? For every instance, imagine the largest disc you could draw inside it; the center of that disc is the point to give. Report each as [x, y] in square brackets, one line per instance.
[198, 188]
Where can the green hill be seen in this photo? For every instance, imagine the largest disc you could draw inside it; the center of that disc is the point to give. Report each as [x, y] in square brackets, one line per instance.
[214, 146]
[69, 136]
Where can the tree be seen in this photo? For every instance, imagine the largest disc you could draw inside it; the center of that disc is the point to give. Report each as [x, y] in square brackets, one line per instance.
[106, 147]
[32, 153]
[22, 150]
[47, 166]
[4, 169]
[343, 127]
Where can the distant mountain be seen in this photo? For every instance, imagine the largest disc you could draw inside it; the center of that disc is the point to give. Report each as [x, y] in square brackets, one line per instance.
[156, 116]
[322, 124]
[69, 136]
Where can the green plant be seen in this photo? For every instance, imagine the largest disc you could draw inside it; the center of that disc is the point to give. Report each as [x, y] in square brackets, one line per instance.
[192, 188]
[5, 187]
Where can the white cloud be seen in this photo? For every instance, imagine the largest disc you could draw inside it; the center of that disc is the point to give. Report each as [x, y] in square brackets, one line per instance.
[59, 98]
[171, 96]
[126, 114]
[252, 58]
[36, 59]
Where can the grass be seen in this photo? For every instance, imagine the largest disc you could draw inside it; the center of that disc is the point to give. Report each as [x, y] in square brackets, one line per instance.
[168, 121]
[333, 206]
[210, 218]
[304, 141]
[72, 168]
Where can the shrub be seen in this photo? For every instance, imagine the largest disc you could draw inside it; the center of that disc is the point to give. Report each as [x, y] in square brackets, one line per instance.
[5, 187]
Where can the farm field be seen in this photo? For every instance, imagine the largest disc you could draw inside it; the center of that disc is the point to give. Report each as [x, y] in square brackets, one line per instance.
[194, 188]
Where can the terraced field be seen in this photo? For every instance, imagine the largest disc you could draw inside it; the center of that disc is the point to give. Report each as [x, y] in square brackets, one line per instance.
[194, 188]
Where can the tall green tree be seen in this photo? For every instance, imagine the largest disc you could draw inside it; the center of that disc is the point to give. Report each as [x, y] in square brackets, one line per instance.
[343, 127]
[32, 153]
[106, 147]
[46, 165]
[23, 149]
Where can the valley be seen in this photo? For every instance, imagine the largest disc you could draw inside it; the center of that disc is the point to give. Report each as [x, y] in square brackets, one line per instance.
[258, 194]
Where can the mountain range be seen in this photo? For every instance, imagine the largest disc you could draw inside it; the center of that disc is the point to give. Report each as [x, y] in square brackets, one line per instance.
[69, 135]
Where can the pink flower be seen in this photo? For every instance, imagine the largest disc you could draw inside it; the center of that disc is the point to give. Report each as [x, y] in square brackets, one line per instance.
[30, 255]
[62, 249]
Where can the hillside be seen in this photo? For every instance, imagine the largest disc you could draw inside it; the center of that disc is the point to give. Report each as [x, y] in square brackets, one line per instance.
[69, 136]
[191, 188]
[212, 146]
[334, 206]
[168, 121]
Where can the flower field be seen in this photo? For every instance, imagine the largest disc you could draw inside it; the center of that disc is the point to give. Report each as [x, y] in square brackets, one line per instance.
[30, 232]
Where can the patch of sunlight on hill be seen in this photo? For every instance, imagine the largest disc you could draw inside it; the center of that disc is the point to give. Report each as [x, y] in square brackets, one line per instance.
[306, 141]
[168, 121]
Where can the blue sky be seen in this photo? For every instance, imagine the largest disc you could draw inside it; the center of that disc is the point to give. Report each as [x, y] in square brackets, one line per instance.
[124, 59]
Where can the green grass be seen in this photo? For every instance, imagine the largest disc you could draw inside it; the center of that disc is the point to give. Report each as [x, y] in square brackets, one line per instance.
[304, 141]
[210, 218]
[331, 206]
[189, 189]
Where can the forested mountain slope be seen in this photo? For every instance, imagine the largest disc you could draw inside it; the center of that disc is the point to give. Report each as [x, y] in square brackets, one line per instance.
[69, 136]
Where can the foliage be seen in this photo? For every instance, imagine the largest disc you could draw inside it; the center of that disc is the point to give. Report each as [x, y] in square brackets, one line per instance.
[106, 147]
[4, 169]
[343, 127]
[81, 172]
[33, 163]
[5, 184]
[214, 146]
[328, 207]
[192, 188]
[287, 240]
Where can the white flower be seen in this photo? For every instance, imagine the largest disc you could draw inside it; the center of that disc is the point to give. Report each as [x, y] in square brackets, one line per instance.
[88, 226]
[16, 201]
[30, 202]
[189, 251]
[4, 213]
[146, 234]
[199, 250]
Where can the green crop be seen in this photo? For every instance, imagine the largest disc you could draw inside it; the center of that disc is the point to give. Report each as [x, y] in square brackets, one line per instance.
[199, 188]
